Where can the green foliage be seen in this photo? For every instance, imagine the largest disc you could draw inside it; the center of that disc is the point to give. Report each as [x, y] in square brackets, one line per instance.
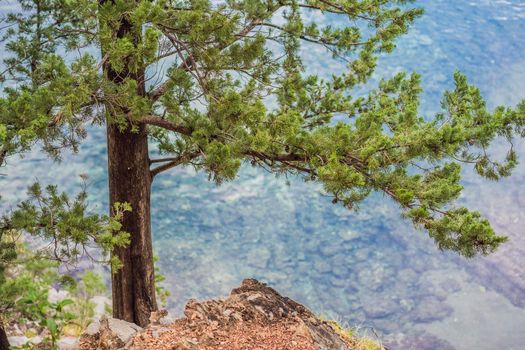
[7, 254]
[356, 337]
[55, 217]
[90, 284]
[160, 290]
[24, 295]
[222, 83]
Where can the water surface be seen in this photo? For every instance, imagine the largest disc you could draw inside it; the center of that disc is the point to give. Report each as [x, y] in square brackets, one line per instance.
[367, 268]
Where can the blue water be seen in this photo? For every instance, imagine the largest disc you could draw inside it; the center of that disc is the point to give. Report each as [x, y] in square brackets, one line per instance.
[369, 268]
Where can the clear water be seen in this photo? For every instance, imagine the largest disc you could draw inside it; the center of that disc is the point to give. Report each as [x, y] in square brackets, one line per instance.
[366, 268]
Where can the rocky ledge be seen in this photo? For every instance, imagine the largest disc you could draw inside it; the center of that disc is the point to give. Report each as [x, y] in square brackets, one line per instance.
[254, 316]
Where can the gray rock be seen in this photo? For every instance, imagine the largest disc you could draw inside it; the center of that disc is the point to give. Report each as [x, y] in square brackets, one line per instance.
[419, 341]
[121, 329]
[338, 282]
[67, 343]
[348, 235]
[341, 271]
[259, 257]
[407, 276]
[330, 248]
[108, 334]
[322, 266]
[380, 308]
[431, 309]
[450, 285]
[373, 277]
[360, 255]
[36, 340]
[93, 328]
[18, 341]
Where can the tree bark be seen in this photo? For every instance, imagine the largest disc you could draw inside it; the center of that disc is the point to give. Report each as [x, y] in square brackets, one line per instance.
[4, 343]
[133, 285]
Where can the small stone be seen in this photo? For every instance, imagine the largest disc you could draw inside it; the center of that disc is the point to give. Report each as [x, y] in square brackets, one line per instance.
[341, 271]
[338, 282]
[259, 257]
[380, 308]
[348, 235]
[430, 309]
[67, 343]
[93, 328]
[450, 285]
[321, 266]
[108, 334]
[330, 248]
[122, 329]
[36, 340]
[253, 297]
[18, 341]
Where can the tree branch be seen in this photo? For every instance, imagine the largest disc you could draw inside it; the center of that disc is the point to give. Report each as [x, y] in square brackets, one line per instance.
[166, 124]
[187, 64]
[183, 158]
[163, 160]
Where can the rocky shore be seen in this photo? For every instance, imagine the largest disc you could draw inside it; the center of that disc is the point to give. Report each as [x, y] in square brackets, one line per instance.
[254, 316]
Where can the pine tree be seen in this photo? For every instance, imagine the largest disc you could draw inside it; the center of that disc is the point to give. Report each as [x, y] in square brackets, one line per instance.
[215, 84]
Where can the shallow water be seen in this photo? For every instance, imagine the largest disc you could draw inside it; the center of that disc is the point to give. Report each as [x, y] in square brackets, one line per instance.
[367, 268]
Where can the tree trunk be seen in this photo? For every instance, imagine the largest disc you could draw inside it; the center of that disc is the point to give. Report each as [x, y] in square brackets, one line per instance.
[130, 181]
[4, 343]
[133, 285]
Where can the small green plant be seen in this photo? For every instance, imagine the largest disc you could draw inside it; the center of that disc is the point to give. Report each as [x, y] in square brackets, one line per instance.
[160, 290]
[65, 222]
[359, 340]
[61, 231]
[90, 285]
[24, 296]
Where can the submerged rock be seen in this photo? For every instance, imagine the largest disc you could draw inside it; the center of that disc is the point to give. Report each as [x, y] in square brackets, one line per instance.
[431, 309]
[420, 341]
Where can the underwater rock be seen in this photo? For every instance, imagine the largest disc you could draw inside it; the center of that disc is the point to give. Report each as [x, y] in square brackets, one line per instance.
[258, 257]
[322, 266]
[379, 308]
[430, 309]
[419, 341]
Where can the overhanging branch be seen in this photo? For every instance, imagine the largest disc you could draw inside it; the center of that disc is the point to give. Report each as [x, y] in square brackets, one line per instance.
[166, 124]
[189, 63]
[183, 158]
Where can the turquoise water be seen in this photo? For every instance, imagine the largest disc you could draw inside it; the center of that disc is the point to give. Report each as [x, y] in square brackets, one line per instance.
[367, 268]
